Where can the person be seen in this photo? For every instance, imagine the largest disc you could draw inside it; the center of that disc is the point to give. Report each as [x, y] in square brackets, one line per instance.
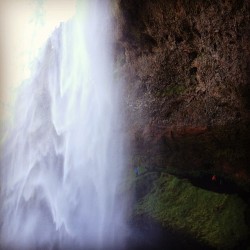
[214, 178]
[136, 170]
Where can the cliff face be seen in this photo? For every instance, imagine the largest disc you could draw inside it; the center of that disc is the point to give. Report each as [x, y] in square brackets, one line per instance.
[186, 65]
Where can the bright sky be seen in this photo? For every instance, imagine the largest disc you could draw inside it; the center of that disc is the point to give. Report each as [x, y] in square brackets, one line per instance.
[25, 25]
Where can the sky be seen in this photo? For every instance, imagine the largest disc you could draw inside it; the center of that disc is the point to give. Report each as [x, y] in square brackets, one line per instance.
[25, 25]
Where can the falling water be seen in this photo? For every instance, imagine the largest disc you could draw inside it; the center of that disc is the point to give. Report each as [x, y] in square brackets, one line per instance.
[62, 163]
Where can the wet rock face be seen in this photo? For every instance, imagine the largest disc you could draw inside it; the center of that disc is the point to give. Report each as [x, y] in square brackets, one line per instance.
[186, 65]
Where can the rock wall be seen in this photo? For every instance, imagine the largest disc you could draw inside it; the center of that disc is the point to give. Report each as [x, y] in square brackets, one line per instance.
[186, 69]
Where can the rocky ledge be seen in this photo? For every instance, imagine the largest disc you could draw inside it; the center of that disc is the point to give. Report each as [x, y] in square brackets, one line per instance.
[217, 218]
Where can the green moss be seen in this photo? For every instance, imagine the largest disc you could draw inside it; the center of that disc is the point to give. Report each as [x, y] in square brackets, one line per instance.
[174, 90]
[216, 219]
[171, 90]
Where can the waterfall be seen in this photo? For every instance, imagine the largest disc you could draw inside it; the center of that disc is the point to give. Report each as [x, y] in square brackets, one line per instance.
[62, 163]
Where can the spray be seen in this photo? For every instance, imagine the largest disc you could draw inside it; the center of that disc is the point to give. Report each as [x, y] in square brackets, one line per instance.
[62, 163]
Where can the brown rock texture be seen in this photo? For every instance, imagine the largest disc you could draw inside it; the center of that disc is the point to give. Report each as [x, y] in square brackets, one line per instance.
[186, 70]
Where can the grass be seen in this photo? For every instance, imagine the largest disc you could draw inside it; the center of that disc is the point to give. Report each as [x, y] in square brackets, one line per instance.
[215, 219]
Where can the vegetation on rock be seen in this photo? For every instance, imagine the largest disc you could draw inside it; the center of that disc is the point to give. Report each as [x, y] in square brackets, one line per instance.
[216, 219]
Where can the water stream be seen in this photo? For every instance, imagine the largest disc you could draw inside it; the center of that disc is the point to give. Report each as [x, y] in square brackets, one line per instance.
[62, 163]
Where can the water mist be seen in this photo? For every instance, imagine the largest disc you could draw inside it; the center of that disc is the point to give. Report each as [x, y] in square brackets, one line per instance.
[62, 163]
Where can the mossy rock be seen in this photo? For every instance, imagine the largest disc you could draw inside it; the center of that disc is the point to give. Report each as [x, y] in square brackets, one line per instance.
[215, 219]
